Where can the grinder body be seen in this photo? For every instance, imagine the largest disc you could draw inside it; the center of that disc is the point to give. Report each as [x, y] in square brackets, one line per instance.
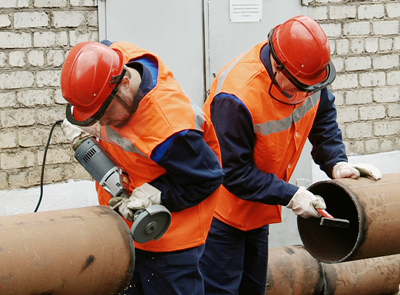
[149, 223]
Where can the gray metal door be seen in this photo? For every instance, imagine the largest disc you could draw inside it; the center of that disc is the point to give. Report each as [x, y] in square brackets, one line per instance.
[194, 37]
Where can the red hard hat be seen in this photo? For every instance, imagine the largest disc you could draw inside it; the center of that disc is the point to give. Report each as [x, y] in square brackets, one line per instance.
[89, 77]
[301, 46]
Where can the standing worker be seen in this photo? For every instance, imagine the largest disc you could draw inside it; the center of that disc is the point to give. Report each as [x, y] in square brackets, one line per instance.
[164, 142]
[264, 105]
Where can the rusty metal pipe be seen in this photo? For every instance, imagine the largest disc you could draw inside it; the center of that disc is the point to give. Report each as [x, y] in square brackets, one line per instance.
[372, 276]
[373, 209]
[74, 251]
[292, 270]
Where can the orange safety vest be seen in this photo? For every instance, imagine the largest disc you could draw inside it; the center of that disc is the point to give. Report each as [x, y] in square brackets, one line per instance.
[163, 112]
[281, 132]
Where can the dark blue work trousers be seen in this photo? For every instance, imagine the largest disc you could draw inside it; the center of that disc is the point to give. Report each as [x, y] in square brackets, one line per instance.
[167, 273]
[234, 261]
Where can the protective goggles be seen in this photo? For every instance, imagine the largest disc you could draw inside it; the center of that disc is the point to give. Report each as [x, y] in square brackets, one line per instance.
[331, 72]
[97, 116]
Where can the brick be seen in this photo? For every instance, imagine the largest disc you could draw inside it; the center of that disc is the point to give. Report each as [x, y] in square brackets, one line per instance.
[345, 81]
[342, 46]
[371, 45]
[50, 39]
[359, 96]
[55, 58]
[92, 18]
[359, 130]
[357, 63]
[339, 98]
[50, 3]
[15, 80]
[386, 128]
[58, 98]
[371, 11]
[8, 139]
[372, 112]
[19, 180]
[36, 58]
[3, 180]
[76, 37]
[47, 116]
[356, 28]
[393, 110]
[347, 114]
[48, 78]
[55, 156]
[67, 19]
[355, 147]
[32, 136]
[377, 145]
[393, 10]
[17, 58]
[30, 20]
[4, 21]
[396, 43]
[8, 99]
[3, 59]
[83, 2]
[372, 79]
[385, 61]
[332, 29]
[357, 45]
[342, 12]
[15, 40]
[35, 97]
[19, 159]
[18, 117]
[383, 95]
[338, 63]
[393, 78]
[385, 44]
[14, 3]
[385, 27]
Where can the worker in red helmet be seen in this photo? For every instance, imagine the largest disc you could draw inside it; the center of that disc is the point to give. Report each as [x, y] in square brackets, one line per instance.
[264, 105]
[128, 98]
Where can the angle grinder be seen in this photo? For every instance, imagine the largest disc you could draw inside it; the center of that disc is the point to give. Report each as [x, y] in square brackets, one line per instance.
[149, 223]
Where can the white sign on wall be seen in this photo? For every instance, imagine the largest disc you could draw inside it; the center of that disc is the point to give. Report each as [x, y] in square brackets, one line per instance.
[245, 10]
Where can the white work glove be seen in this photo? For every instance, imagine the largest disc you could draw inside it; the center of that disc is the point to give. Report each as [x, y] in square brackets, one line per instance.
[304, 203]
[72, 132]
[347, 170]
[141, 197]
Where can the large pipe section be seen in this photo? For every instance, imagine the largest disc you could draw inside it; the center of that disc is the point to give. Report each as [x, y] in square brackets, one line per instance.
[373, 209]
[74, 251]
[293, 271]
[372, 276]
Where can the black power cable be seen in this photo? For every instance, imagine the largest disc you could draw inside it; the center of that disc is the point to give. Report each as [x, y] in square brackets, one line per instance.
[44, 161]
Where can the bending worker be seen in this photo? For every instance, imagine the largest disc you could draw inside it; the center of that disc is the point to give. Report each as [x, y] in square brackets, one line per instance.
[164, 142]
[264, 105]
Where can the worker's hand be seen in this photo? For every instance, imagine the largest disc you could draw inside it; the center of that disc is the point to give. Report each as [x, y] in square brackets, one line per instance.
[73, 133]
[143, 197]
[120, 204]
[304, 203]
[347, 170]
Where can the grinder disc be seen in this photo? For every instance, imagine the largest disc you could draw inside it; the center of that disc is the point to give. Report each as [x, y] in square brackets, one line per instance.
[151, 223]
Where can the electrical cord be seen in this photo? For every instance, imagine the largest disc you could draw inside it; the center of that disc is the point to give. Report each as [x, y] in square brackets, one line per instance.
[44, 161]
